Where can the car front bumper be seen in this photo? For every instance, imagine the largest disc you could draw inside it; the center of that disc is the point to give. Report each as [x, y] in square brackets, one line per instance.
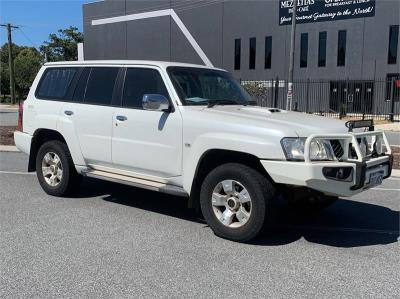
[311, 174]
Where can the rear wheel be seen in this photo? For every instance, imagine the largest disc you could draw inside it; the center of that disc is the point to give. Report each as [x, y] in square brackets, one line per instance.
[55, 169]
[236, 200]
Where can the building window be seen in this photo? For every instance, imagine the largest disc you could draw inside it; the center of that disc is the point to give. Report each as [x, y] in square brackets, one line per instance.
[341, 50]
[303, 49]
[322, 48]
[268, 52]
[237, 53]
[252, 53]
[393, 42]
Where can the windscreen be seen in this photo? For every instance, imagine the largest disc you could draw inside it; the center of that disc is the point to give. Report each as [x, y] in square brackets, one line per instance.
[198, 86]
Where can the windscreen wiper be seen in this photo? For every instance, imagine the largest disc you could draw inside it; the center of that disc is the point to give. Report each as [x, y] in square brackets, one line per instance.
[212, 103]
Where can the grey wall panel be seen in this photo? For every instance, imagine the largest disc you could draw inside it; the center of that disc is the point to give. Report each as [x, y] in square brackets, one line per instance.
[204, 22]
[138, 6]
[215, 25]
[377, 37]
[149, 39]
[104, 42]
[181, 49]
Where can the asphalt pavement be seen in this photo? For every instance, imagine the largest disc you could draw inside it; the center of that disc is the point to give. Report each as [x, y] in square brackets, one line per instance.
[8, 117]
[110, 240]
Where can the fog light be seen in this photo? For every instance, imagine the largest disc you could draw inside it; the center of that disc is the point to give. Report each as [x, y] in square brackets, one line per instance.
[338, 173]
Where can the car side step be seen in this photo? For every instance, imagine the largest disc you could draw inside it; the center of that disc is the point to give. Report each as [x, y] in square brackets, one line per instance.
[136, 182]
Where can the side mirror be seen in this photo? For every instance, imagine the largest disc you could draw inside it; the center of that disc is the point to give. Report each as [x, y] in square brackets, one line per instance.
[155, 102]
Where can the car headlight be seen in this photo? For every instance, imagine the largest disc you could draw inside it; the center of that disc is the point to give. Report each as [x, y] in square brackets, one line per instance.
[378, 145]
[294, 148]
[320, 150]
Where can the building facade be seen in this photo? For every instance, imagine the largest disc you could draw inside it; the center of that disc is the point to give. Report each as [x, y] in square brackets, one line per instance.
[336, 40]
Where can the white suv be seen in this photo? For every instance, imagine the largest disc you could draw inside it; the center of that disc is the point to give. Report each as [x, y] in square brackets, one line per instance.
[191, 130]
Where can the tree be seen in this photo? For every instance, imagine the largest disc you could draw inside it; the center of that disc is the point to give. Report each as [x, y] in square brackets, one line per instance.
[5, 76]
[27, 64]
[62, 45]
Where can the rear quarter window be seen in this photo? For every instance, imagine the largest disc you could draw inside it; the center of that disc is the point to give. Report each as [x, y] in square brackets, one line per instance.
[55, 83]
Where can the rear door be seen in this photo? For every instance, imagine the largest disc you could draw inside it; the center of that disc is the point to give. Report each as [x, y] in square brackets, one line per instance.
[54, 89]
[91, 112]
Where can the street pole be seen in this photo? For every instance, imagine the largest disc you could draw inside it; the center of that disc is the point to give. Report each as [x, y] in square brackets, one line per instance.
[289, 97]
[10, 60]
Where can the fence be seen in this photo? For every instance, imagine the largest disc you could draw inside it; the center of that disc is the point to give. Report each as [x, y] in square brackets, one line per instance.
[358, 99]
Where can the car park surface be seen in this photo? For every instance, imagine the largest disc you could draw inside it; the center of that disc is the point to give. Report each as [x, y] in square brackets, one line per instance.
[111, 240]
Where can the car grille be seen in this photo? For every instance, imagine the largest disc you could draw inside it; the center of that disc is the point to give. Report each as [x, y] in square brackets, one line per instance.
[337, 148]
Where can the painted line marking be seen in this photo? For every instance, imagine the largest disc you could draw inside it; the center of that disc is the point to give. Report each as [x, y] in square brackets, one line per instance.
[155, 14]
[394, 178]
[343, 229]
[17, 172]
[385, 189]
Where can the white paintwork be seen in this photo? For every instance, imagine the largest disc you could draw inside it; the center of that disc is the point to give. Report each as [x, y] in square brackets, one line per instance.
[23, 141]
[81, 55]
[93, 137]
[167, 147]
[156, 14]
[149, 142]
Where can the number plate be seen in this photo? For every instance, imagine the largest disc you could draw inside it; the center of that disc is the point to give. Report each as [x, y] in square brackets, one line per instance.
[376, 178]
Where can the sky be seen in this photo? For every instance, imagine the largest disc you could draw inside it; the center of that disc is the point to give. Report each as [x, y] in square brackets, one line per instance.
[39, 18]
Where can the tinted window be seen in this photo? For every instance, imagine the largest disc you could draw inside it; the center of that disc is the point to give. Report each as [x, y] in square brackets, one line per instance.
[139, 82]
[252, 58]
[303, 49]
[268, 52]
[341, 54]
[100, 85]
[80, 88]
[322, 49]
[237, 53]
[55, 82]
[393, 42]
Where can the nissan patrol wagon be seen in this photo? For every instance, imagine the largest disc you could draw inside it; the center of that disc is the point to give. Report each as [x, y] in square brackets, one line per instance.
[191, 131]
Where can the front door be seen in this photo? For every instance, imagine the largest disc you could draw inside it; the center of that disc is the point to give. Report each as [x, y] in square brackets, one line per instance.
[146, 142]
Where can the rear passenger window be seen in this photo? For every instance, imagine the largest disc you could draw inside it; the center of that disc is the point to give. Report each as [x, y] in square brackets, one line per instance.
[80, 88]
[138, 82]
[100, 86]
[55, 83]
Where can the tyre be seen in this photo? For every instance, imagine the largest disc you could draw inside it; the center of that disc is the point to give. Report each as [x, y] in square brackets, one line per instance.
[235, 201]
[55, 169]
[309, 201]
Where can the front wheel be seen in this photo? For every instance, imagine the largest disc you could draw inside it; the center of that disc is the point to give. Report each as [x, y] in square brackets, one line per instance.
[236, 200]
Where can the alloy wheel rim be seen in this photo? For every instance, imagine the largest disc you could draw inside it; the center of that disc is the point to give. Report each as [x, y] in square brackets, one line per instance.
[52, 169]
[231, 203]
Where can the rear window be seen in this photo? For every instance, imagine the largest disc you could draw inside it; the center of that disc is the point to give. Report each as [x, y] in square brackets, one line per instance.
[100, 86]
[55, 83]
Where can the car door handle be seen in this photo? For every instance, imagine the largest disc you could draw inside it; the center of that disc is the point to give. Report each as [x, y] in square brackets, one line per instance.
[121, 118]
[68, 112]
